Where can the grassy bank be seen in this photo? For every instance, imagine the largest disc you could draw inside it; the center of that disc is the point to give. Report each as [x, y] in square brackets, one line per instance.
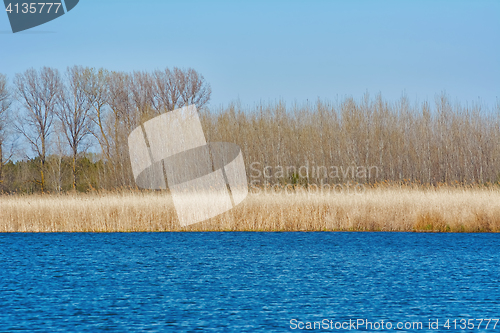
[445, 209]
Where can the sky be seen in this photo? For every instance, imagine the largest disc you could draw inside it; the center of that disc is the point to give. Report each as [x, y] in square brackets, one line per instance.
[296, 51]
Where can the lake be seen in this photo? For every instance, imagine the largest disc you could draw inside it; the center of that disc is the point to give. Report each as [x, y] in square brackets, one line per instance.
[247, 282]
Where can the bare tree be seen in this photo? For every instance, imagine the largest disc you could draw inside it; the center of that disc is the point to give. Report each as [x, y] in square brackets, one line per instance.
[194, 89]
[73, 112]
[38, 92]
[5, 103]
[179, 88]
[107, 105]
[97, 93]
[167, 89]
[123, 100]
[142, 87]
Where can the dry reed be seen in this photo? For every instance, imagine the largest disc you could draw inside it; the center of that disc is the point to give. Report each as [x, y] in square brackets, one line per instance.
[386, 208]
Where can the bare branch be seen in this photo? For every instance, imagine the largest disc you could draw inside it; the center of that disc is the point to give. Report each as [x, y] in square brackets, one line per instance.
[38, 92]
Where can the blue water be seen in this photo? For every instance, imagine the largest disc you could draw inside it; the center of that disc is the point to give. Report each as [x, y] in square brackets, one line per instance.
[245, 282]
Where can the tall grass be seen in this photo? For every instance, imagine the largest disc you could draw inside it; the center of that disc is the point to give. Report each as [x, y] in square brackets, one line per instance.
[385, 208]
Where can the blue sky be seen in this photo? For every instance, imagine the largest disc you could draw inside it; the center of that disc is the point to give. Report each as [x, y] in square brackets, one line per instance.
[290, 50]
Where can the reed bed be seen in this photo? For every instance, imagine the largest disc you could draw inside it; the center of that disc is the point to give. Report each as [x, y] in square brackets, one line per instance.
[445, 209]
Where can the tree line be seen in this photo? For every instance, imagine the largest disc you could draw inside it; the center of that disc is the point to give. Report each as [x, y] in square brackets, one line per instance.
[420, 143]
[77, 125]
[59, 116]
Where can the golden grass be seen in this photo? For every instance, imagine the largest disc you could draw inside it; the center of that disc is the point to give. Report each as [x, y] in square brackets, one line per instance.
[445, 209]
